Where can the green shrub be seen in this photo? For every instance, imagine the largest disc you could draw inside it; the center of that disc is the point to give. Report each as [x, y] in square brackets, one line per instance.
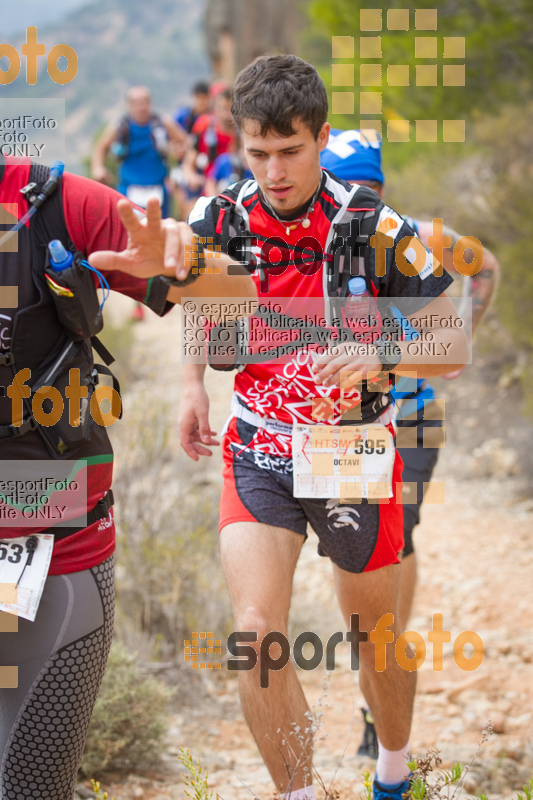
[130, 717]
[169, 578]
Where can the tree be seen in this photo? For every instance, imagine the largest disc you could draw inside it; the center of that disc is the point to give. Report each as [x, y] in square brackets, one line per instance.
[498, 57]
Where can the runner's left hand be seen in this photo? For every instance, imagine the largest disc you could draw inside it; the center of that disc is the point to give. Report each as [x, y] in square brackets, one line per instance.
[155, 246]
[340, 358]
[451, 376]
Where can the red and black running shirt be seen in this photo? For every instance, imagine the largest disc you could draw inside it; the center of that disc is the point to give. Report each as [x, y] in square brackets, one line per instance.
[93, 223]
[284, 388]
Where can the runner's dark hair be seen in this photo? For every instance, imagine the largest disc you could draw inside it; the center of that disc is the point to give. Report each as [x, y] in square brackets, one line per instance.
[277, 90]
[227, 94]
[202, 87]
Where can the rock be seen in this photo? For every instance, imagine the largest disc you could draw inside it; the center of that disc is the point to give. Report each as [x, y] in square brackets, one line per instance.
[524, 720]
[453, 753]
[504, 648]
[452, 709]
[84, 791]
[481, 683]
[505, 747]
[470, 783]
[498, 724]
[455, 728]
[432, 688]
[492, 458]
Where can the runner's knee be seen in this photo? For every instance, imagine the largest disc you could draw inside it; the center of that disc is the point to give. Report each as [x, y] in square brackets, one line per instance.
[260, 622]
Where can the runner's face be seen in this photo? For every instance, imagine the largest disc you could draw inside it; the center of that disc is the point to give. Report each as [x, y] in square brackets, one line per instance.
[222, 112]
[377, 187]
[139, 106]
[201, 103]
[287, 168]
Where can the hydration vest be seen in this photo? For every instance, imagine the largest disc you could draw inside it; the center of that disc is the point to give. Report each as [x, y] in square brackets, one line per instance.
[158, 137]
[346, 254]
[41, 343]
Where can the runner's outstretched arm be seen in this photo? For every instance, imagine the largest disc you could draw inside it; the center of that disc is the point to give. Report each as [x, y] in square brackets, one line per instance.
[449, 348]
[158, 247]
[99, 171]
[480, 288]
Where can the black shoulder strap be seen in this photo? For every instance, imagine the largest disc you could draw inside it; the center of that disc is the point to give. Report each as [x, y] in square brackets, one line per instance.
[49, 221]
[102, 350]
[213, 142]
[155, 120]
[351, 249]
[123, 133]
[229, 220]
[367, 229]
[47, 224]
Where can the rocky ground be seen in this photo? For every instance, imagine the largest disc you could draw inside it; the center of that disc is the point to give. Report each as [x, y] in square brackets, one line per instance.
[476, 564]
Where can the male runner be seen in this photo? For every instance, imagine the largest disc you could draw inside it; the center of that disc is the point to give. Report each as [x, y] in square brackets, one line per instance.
[355, 156]
[212, 135]
[59, 659]
[185, 117]
[280, 107]
[142, 142]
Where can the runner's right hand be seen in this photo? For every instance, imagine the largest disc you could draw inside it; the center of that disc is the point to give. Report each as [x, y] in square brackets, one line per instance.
[102, 175]
[196, 436]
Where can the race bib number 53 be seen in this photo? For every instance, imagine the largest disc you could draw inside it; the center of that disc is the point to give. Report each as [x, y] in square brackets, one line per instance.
[23, 573]
[351, 462]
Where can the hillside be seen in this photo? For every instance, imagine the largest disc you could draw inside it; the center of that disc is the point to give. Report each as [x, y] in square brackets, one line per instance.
[119, 43]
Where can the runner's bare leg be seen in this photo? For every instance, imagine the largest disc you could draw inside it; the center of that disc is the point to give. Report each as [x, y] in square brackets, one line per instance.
[390, 694]
[259, 562]
[407, 587]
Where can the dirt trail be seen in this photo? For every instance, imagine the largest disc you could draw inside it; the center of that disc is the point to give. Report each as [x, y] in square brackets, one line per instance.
[476, 563]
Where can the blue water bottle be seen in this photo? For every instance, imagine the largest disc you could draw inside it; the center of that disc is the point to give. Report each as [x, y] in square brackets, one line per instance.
[60, 257]
[73, 292]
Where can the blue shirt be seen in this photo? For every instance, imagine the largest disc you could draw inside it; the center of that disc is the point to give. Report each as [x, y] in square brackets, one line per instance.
[420, 391]
[224, 169]
[143, 166]
[416, 390]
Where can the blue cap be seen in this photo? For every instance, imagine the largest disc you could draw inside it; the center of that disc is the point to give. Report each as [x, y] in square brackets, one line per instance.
[60, 258]
[357, 286]
[354, 155]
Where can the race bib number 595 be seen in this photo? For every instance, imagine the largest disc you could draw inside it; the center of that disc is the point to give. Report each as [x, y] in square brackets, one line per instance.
[351, 462]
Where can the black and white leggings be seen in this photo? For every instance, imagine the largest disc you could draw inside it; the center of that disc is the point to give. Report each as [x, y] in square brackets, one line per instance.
[61, 659]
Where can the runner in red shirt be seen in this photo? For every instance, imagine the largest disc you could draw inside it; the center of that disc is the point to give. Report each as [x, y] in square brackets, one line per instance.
[270, 493]
[213, 134]
[60, 657]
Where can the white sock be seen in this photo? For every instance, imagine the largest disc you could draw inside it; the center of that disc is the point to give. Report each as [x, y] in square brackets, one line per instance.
[307, 793]
[391, 767]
